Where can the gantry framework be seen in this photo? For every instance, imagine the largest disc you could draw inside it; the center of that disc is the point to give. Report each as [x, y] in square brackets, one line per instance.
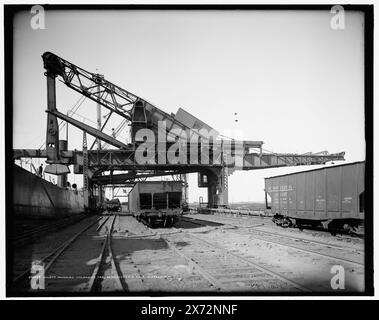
[141, 114]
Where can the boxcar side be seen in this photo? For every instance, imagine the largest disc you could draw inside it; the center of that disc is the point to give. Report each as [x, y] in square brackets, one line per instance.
[332, 196]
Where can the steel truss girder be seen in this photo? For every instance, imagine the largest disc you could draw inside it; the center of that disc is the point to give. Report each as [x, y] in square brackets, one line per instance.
[257, 161]
[121, 102]
[128, 177]
[92, 131]
[124, 160]
[99, 89]
[106, 93]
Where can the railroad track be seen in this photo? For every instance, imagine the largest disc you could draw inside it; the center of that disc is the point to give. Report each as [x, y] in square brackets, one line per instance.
[22, 279]
[334, 252]
[33, 233]
[105, 261]
[215, 269]
[229, 220]
[211, 266]
[230, 270]
[295, 238]
[325, 244]
[227, 271]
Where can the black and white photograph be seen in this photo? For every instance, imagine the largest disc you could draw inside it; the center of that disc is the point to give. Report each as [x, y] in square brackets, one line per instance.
[188, 150]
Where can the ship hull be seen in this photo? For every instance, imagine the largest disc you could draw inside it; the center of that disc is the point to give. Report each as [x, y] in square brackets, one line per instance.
[34, 197]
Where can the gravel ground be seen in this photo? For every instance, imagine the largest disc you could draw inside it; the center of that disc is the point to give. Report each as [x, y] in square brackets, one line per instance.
[147, 263]
[178, 260]
[264, 223]
[311, 271]
[308, 269]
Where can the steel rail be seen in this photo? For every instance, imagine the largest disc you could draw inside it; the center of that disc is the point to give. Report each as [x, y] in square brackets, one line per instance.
[107, 244]
[346, 248]
[41, 230]
[115, 270]
[219, 283]
[195, 265]
[311, 241]
[51, 257]
[325, 255]
[307, 250]
[255, 265]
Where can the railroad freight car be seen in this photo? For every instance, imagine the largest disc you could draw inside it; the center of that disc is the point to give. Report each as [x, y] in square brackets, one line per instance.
[156, 202]
[113, 205]
[331, 197]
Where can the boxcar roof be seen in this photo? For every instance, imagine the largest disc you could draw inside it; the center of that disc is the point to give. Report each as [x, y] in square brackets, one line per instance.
[326, 167]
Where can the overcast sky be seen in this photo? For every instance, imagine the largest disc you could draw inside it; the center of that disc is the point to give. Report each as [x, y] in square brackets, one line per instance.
[293, 81]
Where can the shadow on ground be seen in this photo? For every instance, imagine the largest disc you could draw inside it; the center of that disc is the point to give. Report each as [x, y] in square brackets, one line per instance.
[192, 223]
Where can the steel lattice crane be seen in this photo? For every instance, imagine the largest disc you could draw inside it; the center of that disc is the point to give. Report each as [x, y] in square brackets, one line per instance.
[140, 113]
[116, 99]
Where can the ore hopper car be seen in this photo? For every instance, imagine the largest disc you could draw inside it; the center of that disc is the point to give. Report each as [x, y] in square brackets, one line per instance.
[113, 205]
[157, 203]
[331, 197]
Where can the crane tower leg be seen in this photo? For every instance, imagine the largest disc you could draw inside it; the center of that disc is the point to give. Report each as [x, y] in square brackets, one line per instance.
[218, 187]
[99, 127]
[85, 172]
[62, 179]
[184, 178]
[52, 132]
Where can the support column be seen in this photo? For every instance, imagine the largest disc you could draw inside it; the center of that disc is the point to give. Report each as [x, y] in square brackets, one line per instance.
[62, 179]
[85, 172]
[224, 191]
[184, 178]
[100, 190]
[52, 130]
[99, 127]
[99, 78]
[212, 191]
[217, 187]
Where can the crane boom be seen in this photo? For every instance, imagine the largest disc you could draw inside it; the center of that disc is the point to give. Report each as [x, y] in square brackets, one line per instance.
[142, 114]
[138, 111]
[91, 85]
